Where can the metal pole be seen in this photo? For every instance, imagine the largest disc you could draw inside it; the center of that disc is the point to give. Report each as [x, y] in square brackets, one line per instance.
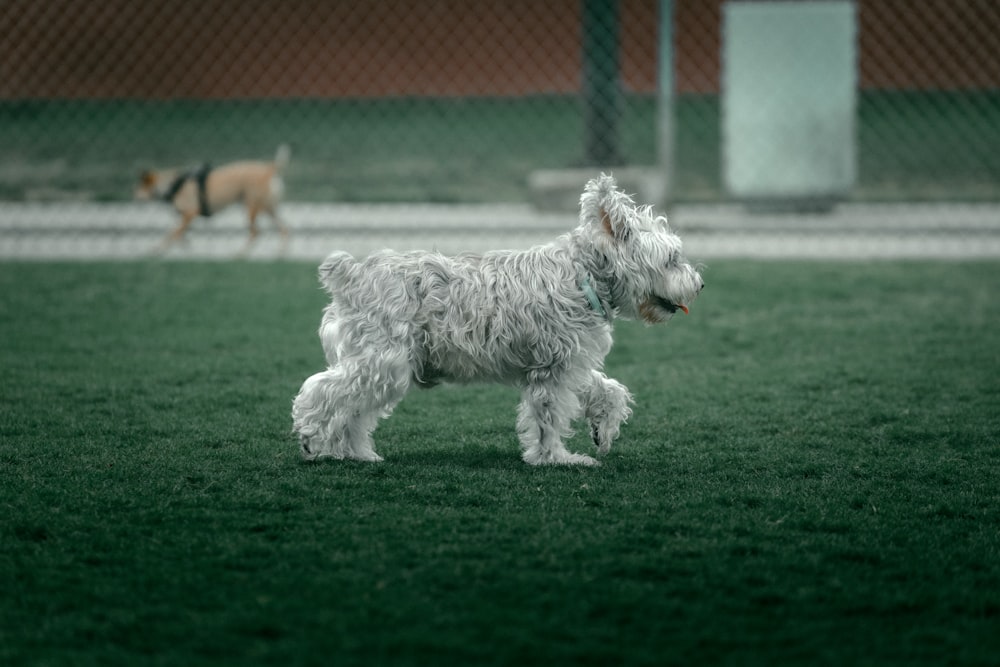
[665, 101]
[601, 90]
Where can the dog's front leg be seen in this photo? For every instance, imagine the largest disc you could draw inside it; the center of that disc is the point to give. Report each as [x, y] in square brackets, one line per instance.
[543, 421]
[176, 235]
[606, 407]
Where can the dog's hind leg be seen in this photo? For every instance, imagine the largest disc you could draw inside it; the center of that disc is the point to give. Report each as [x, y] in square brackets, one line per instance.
[606, 407]
[336, 411]
[252, 232]
[543, 421]
[378, 386]
[282, 228]
[313, 412]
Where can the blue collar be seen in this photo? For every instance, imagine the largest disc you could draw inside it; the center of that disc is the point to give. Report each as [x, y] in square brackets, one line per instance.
[592, 298]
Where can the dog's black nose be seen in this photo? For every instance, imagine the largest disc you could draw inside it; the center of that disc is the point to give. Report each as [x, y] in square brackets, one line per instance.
[702, 286]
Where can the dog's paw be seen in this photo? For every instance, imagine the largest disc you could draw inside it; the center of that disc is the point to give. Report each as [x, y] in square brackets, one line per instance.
[309, 451]
[559, 458]
[603, 437]
[369, 456]
[582, 460]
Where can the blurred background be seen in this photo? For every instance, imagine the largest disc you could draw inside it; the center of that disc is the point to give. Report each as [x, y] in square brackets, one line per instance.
[878, 117]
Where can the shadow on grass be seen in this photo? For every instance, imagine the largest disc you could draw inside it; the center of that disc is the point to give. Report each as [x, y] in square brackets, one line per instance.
[505, 458]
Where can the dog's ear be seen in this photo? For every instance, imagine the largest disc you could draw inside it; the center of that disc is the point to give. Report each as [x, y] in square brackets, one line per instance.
[606, 221]
[602, 204]
[146, 177]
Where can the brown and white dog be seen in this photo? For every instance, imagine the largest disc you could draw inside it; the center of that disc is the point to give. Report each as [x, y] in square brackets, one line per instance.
[205, 190]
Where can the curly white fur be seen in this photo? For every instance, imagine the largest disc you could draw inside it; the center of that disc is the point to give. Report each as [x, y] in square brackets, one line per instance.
[538, 319]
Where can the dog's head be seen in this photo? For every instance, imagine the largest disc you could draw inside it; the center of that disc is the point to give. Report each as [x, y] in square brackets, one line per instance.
[147, 185]
[639, 257]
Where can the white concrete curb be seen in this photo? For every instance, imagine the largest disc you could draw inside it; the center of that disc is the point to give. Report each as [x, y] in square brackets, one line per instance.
[851, 231]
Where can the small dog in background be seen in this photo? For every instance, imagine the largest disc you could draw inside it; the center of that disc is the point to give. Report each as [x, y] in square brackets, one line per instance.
[539, 319]
[205, 190]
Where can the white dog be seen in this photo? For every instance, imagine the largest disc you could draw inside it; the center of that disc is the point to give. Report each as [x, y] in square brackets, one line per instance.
[538, 319]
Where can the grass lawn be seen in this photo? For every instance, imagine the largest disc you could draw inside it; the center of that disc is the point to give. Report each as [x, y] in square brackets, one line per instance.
[811, 476]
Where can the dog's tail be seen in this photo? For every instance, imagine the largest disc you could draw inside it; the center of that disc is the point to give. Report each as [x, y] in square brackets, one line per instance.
[282, 157]
[335, 270]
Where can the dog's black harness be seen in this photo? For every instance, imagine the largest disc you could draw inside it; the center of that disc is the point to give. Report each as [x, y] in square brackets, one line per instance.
[199, 175]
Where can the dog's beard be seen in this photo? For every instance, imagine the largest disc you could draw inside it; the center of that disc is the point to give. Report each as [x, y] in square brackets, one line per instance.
[656, 309]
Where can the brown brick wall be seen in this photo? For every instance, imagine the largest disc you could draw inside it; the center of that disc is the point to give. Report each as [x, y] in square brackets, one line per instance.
[324, 48]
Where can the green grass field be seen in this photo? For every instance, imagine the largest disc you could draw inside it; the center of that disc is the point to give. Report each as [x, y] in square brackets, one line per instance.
[811, 476]
[910, 145]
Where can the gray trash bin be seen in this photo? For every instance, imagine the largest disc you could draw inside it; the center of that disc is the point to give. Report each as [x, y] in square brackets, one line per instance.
[789, 97]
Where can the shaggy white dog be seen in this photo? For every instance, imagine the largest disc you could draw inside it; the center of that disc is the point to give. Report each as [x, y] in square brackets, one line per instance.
[538, 319]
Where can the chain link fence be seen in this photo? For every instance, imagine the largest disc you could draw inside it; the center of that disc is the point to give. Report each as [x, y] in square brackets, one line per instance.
[449, 101]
